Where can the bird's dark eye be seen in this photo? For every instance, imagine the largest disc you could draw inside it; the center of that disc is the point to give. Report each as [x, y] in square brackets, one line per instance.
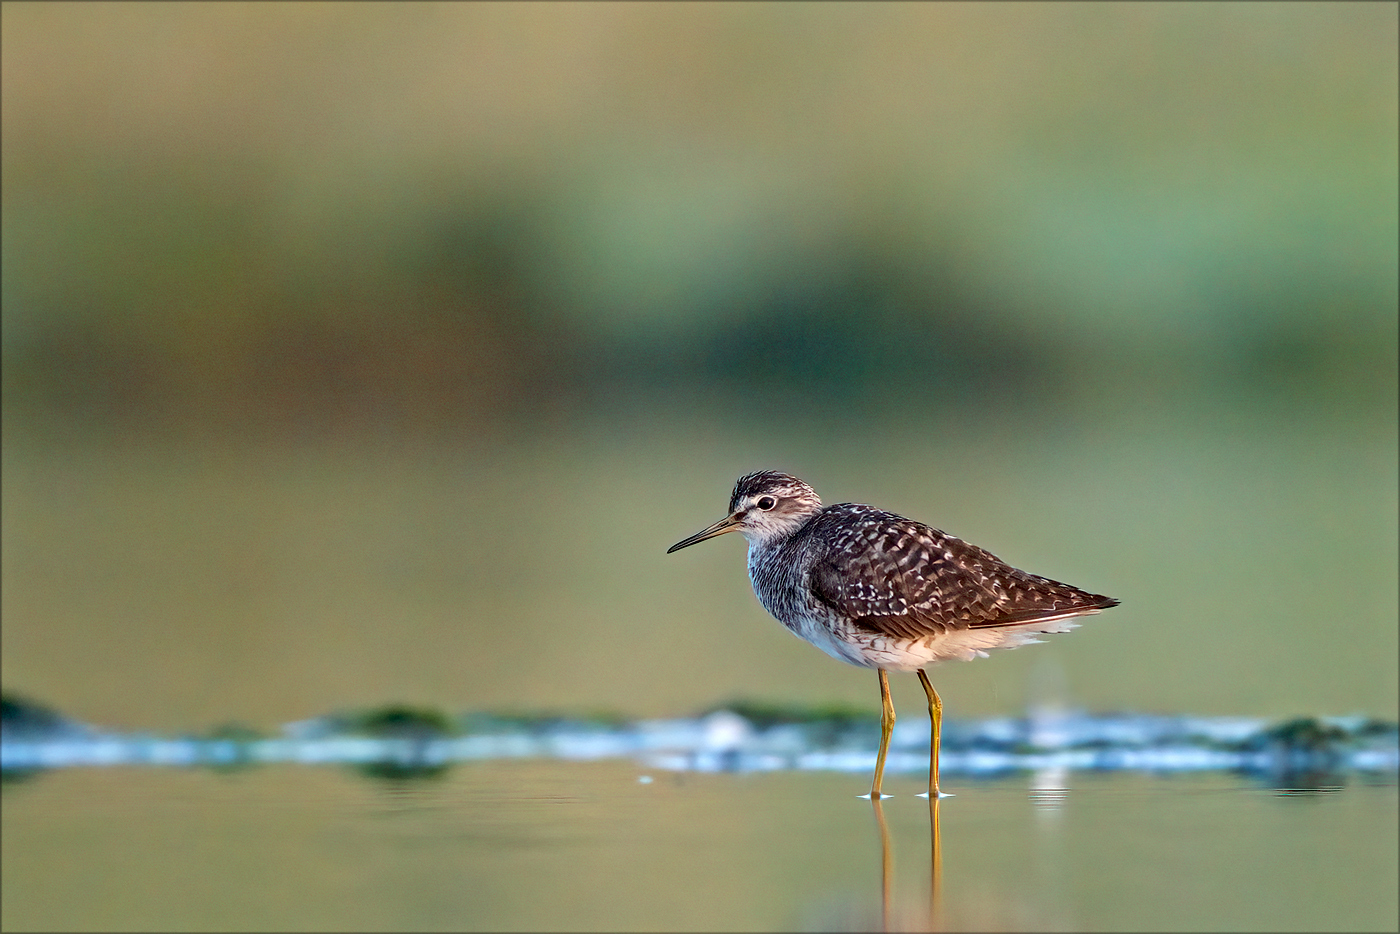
[766, 502]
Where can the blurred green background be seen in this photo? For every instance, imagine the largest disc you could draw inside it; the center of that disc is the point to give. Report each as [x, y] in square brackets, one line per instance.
[358, 353]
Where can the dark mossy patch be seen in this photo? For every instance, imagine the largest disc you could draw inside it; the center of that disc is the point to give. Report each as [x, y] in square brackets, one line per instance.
[541, 721]
[1302, 735]
[390, 771]
[226, 747]
[21, 717]
[766, 714]
[234, 732]
[397, 721]
[1372, 730]
[11, 776]
[409, 734]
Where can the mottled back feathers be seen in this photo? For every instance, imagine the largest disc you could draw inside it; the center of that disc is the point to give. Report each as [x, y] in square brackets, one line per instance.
[897, 577]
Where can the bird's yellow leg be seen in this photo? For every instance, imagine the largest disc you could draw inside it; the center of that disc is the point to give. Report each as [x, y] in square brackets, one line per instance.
[886, 728]
[935, 716]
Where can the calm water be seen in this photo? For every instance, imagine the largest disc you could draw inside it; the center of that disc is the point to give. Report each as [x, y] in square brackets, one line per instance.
[593, 846]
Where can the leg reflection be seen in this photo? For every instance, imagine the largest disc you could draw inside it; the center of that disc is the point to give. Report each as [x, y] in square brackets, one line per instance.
[886, 862]
[935, 886]
[935, 883]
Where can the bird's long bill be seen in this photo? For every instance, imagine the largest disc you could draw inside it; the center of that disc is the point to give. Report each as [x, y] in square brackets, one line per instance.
[727, 524]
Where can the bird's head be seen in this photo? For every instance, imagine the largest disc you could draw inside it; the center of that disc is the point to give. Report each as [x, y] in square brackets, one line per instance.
[765, 506]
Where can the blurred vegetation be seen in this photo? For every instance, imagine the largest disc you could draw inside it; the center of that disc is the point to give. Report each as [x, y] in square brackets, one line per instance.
[396, 720]
[23, 718]
[424, 218]
[767, 714]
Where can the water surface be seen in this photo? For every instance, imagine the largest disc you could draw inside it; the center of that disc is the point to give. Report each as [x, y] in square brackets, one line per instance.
[548, 845]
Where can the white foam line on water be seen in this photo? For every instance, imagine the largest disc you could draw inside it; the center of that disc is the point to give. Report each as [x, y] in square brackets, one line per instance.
[726, 742]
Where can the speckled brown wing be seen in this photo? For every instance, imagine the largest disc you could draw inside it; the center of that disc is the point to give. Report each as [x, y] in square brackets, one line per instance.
[898, 577]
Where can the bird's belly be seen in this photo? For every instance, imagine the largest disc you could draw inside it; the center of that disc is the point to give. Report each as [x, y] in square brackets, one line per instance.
[841, 640]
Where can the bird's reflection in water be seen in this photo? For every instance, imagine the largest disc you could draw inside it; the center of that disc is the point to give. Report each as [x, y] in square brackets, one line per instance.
[934, 919]
[935, 882]
[886, 862]
[992, 904]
